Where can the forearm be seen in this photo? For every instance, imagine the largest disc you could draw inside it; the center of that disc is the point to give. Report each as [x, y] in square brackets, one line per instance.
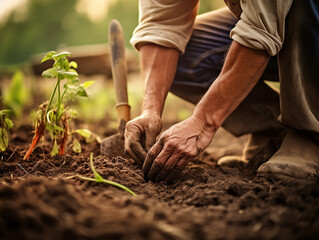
[242, 69]
[158, 69]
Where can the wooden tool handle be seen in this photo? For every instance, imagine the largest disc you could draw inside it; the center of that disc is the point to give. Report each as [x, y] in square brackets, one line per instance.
[119, 70]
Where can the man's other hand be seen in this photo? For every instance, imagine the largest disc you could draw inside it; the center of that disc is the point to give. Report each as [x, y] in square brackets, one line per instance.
[175, 148]
[140, 136]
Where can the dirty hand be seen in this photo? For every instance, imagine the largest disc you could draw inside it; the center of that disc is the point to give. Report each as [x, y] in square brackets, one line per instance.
[176, 147]
[140, 135]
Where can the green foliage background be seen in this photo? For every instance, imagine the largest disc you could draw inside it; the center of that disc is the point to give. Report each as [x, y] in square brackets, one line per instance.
[54, 23]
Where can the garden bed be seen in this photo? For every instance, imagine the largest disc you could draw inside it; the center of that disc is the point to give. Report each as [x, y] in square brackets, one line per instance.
[39, 200]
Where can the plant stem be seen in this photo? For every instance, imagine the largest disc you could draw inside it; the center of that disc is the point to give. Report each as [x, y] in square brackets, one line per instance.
[98, 178]
[59, 101]
[51, 99]
[108, 182]
[63, 94]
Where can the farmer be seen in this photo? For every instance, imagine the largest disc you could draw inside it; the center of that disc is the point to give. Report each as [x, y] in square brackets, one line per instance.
[219, 61]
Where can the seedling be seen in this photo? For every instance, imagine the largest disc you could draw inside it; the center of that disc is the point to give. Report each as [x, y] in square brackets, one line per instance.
[52, 115]
[5, 124]
[98, 178]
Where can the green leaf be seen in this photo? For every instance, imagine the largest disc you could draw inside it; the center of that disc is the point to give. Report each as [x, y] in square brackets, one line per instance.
[63, 64]
[61, 71]
[72, 82]
[68, 74]
[55, 149]
[50, 73]
[51, 126]
[87, 84]
[73, 65]
[97, 176]
[87, 134]
[84, 133]
[76, 146]
[4, 139]
[48, 56]
[61, 55]
[81, 92]
[50, 129]
[71, 91]
[57, 128]
[73, 70]
[9, 123]
[5, 112]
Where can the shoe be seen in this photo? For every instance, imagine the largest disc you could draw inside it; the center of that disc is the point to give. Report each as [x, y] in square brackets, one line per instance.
[297, 159]
[259, 148]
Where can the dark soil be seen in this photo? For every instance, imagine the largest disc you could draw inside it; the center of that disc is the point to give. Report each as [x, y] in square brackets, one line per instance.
[37, 201]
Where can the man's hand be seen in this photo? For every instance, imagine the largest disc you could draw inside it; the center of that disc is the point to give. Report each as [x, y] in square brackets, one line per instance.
[176, 147]
[158, 70]
[140, 135]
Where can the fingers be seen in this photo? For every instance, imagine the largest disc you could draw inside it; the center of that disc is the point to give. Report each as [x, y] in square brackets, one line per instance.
[167, 168]
[136, 159]
[133, 147]
[164, 167]
[160, 162]
[157, 165]
[150, 157]
[179, 167]
[140, 135]
[138, 150]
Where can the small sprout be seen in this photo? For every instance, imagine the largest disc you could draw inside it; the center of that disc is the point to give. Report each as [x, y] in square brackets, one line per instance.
[98, 178]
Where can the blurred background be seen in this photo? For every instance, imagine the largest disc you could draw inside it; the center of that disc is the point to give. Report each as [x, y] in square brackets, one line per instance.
[30, 28]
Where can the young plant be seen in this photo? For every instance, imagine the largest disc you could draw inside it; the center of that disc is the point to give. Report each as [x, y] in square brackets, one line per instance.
[5, 126]
[98, 178]
[53, 115]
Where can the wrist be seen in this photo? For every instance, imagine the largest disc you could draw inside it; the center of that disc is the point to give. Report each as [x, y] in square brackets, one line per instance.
[152, 105]
[207, 119]
[151, 112]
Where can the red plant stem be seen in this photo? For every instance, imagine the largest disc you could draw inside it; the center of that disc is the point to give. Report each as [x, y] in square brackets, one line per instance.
[65, 136]
[39, 132]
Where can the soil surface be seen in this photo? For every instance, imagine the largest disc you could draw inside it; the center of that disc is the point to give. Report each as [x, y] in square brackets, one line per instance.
[39, 200]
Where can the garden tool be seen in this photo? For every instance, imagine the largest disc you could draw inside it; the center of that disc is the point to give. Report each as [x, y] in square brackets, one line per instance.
[113, 146]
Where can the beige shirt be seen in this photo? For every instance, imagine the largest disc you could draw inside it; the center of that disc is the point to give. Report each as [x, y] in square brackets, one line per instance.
[169, 23]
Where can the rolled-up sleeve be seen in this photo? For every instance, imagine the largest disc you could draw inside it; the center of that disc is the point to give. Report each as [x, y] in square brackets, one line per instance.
[262, 24]
[167, 23]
